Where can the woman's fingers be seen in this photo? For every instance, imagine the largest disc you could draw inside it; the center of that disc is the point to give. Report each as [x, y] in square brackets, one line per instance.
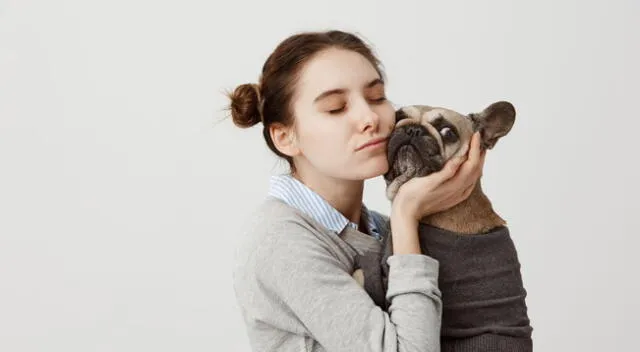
[474, 150]
[464, 174]
[475, 154]
[467, 192]
[483, 156]
[450, 169]
[472, 169]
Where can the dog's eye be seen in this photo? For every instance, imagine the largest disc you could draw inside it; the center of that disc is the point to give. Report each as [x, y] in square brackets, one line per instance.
[448, 135]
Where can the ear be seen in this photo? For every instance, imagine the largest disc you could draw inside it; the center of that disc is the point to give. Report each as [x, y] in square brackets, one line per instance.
[284, 139]
[494, 122]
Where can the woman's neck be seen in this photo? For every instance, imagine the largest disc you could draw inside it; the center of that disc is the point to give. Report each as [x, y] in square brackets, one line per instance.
[344, 195]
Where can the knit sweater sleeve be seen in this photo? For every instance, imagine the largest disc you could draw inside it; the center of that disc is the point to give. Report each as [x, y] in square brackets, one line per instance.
[304, 280]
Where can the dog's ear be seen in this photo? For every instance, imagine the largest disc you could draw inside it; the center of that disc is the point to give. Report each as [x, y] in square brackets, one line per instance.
[494, 122]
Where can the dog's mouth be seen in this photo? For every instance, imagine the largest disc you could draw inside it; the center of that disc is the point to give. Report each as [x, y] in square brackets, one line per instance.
[412, 156]
[407, 160]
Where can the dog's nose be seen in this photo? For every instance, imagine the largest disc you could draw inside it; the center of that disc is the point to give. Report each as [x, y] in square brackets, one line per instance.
[415, 130]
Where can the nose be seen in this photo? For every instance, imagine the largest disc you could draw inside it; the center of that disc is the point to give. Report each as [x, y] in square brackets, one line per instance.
[369, 118]
[415, 130]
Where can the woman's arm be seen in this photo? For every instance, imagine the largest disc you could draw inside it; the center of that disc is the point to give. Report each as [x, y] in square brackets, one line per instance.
[304, 279]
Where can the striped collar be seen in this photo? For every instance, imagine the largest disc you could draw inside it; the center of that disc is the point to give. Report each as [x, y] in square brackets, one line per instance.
[298, 195]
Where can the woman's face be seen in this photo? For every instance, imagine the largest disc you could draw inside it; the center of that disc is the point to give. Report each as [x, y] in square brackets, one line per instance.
[342, 118]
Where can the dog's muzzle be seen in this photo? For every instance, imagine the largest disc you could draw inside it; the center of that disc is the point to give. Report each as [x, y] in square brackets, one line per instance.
[413, 151]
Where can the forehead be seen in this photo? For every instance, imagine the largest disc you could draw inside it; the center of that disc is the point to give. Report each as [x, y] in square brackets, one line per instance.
[424, 113]
[332, 69]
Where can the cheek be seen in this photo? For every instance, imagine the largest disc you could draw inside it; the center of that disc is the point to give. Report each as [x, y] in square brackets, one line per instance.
[319, 139]
[387, 115]
[454, 150]
[310, 138]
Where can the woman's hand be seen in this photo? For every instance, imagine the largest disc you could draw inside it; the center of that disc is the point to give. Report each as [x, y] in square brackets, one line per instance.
[422, 196]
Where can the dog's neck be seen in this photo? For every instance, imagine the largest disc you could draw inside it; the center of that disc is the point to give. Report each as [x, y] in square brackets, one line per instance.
[474, 215]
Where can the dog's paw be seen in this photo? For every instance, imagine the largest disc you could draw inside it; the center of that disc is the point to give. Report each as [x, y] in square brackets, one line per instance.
[358, 275]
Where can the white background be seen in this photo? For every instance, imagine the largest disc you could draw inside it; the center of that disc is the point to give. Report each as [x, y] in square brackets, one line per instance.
[120, 194]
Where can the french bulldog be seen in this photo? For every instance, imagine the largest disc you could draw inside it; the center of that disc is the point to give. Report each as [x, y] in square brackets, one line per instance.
[425, 138]
[479, 279]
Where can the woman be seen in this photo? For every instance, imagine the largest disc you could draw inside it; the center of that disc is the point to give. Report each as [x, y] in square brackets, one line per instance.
[321, 100]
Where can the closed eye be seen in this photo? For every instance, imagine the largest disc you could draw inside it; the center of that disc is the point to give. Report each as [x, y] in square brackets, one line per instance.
[341, 109]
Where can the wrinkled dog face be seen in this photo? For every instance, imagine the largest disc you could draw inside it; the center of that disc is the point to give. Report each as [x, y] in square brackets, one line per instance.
[425, 138]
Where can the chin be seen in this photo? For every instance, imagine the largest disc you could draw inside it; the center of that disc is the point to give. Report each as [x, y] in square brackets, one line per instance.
[372, 168]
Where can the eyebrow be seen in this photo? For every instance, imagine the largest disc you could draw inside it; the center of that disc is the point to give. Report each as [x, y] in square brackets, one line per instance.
[325, 94]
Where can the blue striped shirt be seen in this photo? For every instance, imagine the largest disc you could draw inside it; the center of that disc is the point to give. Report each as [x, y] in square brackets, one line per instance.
[298, 195]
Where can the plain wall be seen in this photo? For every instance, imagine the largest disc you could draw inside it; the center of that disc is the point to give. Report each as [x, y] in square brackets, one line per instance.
[120, 193]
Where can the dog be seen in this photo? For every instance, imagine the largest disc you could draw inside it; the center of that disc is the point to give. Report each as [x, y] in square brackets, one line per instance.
[425, 138]
[483, 295]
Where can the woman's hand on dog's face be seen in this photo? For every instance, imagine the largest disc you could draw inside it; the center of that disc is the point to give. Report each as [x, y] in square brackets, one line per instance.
[422, 196]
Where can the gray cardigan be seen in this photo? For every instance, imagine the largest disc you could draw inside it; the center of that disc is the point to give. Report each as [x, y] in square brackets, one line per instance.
[294, 287]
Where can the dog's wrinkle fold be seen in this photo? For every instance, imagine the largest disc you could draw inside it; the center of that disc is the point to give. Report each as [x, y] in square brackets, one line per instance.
[396, 141]
[411, 156]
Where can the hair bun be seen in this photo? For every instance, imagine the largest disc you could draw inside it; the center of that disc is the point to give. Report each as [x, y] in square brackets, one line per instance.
[245, 100]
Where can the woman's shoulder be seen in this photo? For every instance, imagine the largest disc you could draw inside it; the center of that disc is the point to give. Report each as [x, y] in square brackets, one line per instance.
[278, 233]
[272, 221]
[274, 215]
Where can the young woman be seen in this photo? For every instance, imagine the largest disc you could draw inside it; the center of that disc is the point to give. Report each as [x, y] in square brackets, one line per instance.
[321, 100]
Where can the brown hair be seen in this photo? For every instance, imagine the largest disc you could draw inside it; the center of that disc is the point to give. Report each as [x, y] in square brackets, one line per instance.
[269, 101]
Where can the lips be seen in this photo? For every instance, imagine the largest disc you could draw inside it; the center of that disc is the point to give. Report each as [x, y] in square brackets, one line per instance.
[372, 142]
